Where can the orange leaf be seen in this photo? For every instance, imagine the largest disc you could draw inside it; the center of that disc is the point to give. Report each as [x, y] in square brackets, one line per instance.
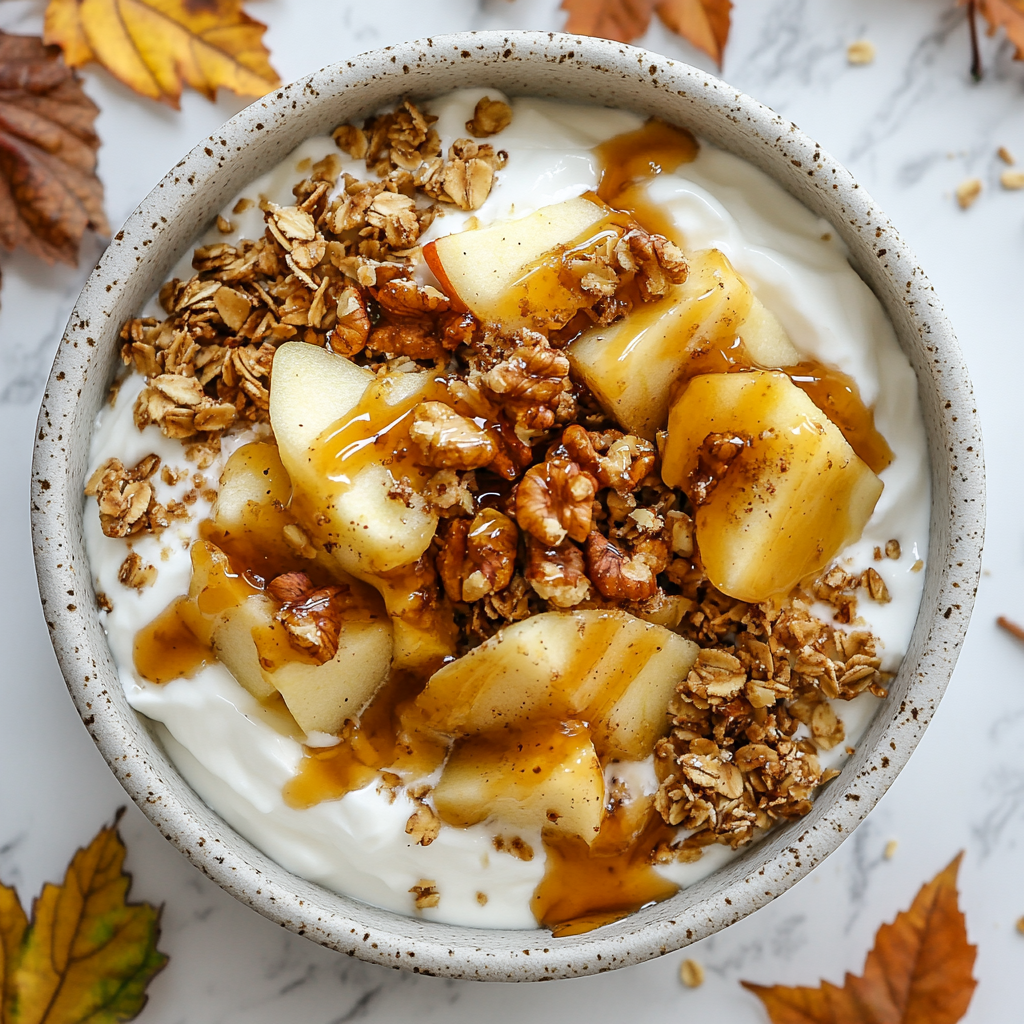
[621, 20]
[705, 23]
[156, 46]
[1008, 14]
[918, 973]
[88, 954]
[49, 193]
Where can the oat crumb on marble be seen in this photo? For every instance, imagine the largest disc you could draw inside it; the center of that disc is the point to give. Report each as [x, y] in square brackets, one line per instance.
[1005, 155]
[890, 849]
[860, 52]
[967, 192]
[1012, 180]
[691, 973]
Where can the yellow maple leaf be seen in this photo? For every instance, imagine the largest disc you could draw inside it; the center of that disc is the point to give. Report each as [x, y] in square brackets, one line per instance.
[87, 954]
[920, 970]
[156, 46]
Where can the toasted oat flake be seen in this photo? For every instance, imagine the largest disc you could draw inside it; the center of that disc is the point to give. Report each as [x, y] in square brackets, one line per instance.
[1005, 155]
[890, 849]
[1012, 180]
[967, 192]
[892, 549]
[860, 52]
[691, 973]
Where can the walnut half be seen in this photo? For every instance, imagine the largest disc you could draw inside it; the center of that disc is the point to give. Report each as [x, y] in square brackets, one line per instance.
[555, 500]
[448, 440]
[478, 556]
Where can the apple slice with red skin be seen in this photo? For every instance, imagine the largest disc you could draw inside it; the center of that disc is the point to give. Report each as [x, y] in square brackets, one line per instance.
[480, 269]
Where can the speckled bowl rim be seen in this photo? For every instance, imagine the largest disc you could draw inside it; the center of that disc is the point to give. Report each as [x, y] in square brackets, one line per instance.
[525, 63]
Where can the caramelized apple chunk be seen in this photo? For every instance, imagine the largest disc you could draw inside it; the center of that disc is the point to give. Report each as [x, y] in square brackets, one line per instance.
[631, 365]
[778, 490]
[607, 668]
[547, 776]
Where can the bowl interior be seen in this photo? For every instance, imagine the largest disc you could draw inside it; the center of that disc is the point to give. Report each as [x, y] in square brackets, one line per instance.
[541, 64]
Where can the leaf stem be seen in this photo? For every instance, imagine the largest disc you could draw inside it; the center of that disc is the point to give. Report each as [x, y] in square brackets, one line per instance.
[972, 21]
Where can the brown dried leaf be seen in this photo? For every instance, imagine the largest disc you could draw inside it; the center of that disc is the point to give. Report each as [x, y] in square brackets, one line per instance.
[919, 970]
[49, 192]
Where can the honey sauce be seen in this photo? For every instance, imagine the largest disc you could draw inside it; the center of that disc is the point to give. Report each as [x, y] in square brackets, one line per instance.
[582, 890]
[376, 431]
[167, 648]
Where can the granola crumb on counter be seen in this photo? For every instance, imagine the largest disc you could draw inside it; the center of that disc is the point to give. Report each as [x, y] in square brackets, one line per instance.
[691, 973]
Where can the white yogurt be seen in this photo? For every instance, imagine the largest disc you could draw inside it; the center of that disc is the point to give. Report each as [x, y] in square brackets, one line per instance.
[238, 755]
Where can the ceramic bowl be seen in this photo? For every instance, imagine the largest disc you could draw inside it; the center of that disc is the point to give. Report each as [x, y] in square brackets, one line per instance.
[569, 68]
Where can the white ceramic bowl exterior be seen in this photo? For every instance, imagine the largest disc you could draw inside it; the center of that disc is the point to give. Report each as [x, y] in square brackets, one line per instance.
[569, 68]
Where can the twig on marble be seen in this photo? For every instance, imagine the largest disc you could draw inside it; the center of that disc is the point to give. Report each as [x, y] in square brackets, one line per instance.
[972, 21]
[1011, 627]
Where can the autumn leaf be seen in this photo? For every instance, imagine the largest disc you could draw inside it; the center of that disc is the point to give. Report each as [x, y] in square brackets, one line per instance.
[156, 46]
[87, 955]
[49, 193]
[704, 23]
[918, 973]
[1007, 14]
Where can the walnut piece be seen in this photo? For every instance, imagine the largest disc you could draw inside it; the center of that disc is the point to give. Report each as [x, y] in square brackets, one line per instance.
[555, 500]
[310, 615]
[426, 894]
[448, 440]
[557, 574]
[477, 557]
[529, 383]
[622, 575]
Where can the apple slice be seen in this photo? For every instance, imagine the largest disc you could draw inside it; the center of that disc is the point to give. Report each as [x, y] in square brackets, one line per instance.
[322, 406]
[323, 697]
[547, 777]
[778, 490]
[485, 269]
[608, 668]
[631, 365]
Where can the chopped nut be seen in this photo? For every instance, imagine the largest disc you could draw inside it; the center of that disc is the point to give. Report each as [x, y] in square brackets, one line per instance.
[967, 192]
[478, 558]
[860, 52]
[555, 500]
[557, 574]
[426, 894]
[352, 327]
[481, 898]
[529, 383]
[617, 573]
[224, 226]
[309, 615]
[691, 974]
[489, 118]
[448, 440]
[1012, 179]
[892, 549]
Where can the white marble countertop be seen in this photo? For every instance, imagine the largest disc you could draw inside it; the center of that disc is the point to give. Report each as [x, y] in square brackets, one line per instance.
[910, 126]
